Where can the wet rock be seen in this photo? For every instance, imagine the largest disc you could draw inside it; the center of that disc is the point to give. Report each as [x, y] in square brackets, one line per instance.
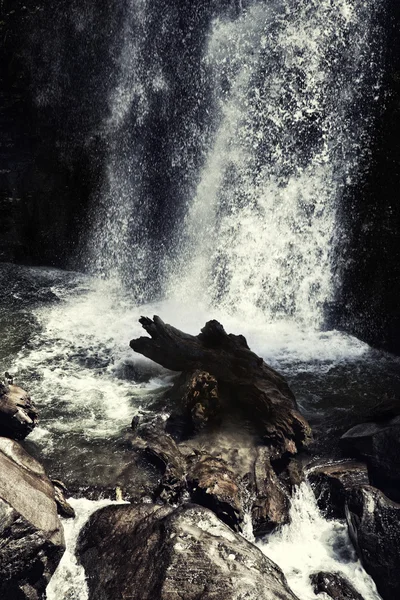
[374, 527]
[63, 508]
[18, 415]
[160, 449]
[148, 552]
[335, 586]
[213, 485]
[330, 483]
[31, 535]
[271, 504]
[379, 444]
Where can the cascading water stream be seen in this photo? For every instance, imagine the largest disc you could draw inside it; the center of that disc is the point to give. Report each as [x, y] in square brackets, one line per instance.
[69, 581]
[292, 80]
[310, 544]
[120, 245]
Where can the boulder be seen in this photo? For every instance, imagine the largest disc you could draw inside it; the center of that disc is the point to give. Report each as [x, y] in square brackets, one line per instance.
[379, 444]
[374, 527]
[18, 415]
[331, 481]
[335, 586]
[150, 552]
[31, 534]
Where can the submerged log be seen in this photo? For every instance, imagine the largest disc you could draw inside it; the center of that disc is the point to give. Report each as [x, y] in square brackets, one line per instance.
[242, 376]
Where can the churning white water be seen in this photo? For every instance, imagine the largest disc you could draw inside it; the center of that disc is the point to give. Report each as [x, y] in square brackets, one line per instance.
[260, 232]
[69, 581]
[310, 544]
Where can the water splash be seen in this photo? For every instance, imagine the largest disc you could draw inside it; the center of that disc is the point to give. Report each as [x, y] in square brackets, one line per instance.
[309, 544]
[290, 80]
[69, 581]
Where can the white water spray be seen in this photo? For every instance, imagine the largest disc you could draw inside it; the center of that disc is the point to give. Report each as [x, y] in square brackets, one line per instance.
[69, 580]
[288, 80]
[120, 247]
[310, 544]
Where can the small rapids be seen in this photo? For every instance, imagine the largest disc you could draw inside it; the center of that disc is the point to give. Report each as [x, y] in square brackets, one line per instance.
[68, 581]
[310, 544]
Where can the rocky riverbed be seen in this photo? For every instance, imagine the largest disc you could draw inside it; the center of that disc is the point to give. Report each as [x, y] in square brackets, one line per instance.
[190, 462]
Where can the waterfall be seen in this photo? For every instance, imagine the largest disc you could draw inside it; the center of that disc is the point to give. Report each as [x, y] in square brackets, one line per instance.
[120, 245]
[293, 86]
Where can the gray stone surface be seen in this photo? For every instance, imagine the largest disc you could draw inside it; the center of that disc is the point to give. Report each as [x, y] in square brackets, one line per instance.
[31, 534]
[374, 527]
[148, 552]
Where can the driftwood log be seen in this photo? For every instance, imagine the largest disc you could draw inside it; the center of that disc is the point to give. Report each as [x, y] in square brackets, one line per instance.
[242, 376]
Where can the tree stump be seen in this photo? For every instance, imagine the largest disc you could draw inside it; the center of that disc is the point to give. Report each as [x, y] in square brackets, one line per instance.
[242, 376]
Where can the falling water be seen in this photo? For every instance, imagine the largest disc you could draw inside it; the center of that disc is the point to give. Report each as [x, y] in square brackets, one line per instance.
[292, 83]
[69, 580]
[120, 245]
[310, 544]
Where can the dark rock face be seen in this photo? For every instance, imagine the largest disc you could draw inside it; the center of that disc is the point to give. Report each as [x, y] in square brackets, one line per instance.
[55, 142]
[379, 444]
[368, 304]
[31, 535]
[18, 415]
[148, 552]
[330, 483]
[374, 527]
[335, 586]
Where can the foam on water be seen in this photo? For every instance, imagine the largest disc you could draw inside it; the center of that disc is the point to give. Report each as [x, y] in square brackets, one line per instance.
[75, 366]
[75, 360]
[310, 544]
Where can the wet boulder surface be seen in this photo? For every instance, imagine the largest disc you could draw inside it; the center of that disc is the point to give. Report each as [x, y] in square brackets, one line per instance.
[374, 527]
[331, 481]
[151, 552]
[335, 586]
[31, 534]
[18, 414]
[378, 443]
